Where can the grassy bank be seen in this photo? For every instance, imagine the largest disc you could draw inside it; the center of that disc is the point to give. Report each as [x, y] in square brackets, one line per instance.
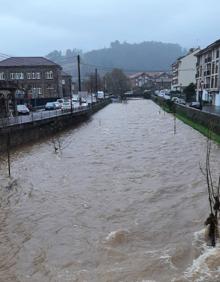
[195, 125]
[202, 129]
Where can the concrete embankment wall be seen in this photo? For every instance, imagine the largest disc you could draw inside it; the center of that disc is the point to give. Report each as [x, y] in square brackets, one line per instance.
[208, 120]
[32, 131]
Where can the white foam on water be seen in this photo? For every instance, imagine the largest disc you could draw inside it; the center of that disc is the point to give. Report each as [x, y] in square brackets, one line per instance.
[200, 271]
[117, 236]
[164, 256]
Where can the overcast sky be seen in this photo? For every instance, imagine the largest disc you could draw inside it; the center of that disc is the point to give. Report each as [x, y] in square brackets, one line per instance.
[36, 27]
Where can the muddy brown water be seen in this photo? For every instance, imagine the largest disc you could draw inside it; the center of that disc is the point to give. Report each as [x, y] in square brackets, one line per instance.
[123, 200]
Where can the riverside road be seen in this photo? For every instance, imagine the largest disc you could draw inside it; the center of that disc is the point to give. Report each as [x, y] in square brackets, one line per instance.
[37, 116]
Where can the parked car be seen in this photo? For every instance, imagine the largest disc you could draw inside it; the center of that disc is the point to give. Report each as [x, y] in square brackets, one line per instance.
[60, 101]
[58, 105]
[23, 110]
[66, 106]
[195, 105]
[84, 104]
[166, 97]
[75, 104]
[50, 106]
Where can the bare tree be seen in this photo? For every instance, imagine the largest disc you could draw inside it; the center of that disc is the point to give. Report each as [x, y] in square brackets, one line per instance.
[213, 189]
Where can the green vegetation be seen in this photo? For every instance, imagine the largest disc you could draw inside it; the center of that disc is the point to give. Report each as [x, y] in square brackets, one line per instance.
[167, 106]
[190, 92]
[202, 129]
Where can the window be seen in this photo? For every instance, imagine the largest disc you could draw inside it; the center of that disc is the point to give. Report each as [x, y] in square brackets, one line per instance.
[213, 67]
[33, 75]
[212, 82]
[216, 67]
[17, 75]
[12, 75]
[36, 91]
[216, 81]
[37, 75]
[2, 76]
[217, 53]
[49, 75]
[28, 75]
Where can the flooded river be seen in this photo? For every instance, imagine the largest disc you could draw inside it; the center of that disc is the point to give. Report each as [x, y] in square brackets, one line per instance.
[122, 200]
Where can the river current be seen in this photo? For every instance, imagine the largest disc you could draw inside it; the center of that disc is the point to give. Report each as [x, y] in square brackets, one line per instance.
[122, 199]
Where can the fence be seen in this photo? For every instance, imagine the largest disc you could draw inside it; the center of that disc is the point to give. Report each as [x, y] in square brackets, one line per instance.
[38, 116]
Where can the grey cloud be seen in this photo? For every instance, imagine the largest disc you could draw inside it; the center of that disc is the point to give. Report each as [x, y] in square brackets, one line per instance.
[38, 27]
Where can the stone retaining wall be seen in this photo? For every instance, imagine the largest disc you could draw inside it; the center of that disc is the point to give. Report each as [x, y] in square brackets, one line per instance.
[32, 131]
[206, 119]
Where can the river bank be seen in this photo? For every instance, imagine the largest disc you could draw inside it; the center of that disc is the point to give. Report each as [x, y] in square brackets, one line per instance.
[206, 123]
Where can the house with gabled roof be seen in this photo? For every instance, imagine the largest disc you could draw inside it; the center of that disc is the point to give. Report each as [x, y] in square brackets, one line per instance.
[37, 76]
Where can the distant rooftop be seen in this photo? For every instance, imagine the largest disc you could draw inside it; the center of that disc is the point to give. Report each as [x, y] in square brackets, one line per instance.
[27, 61]
[150, 74]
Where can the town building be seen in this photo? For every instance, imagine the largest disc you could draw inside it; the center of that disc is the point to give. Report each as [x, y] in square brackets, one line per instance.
[207, 74]
[36, 77]
[184, 70]
[155, 80]
[138, 79]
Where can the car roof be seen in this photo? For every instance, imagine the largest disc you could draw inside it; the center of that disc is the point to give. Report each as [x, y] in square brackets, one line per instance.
[20, 105]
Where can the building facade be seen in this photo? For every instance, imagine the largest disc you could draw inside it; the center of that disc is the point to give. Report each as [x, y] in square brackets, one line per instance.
[184, 70]
[36, 77]
[156, 80]
[208, 74]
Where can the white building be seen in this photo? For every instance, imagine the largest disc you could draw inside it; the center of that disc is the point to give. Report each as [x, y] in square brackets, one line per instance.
[207, 75]
[184, 70]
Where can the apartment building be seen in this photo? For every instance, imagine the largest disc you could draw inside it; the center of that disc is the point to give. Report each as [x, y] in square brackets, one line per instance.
[36, 77]
[184, 70]
[207, 74]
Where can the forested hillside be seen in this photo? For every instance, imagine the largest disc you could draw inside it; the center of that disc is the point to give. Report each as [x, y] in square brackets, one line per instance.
[145, 56]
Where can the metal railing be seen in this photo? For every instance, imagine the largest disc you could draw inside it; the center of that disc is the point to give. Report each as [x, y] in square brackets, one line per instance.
[39, 116]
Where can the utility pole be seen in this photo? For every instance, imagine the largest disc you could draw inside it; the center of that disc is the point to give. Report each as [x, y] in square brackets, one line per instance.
[79, 75]
[96, 81]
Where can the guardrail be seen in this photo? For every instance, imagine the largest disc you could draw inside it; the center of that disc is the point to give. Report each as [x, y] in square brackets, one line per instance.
[38, 116]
